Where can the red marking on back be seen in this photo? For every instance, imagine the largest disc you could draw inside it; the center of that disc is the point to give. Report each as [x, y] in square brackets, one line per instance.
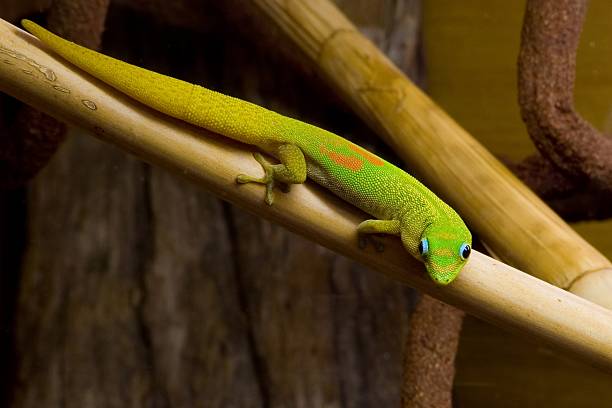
[373, 159]
[348, 162]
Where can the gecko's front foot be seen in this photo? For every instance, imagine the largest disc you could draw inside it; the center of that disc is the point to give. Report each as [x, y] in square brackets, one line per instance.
[365, 239]
[368, 228]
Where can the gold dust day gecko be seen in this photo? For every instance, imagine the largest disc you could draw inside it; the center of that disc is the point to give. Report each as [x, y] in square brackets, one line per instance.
[429, 229]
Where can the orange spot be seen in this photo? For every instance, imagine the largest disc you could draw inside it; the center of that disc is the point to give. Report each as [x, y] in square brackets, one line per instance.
[348, 162]
[375, 160]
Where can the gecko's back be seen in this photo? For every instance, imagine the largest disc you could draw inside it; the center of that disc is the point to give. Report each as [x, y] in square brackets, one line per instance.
[362, 178]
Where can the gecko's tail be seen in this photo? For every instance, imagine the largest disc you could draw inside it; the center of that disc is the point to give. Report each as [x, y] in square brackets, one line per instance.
[212, 110]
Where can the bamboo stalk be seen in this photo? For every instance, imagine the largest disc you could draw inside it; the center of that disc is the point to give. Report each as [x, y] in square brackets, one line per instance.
[515, 223]
[486, 287]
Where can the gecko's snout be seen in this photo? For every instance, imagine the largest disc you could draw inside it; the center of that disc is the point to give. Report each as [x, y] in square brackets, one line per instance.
[446, 274]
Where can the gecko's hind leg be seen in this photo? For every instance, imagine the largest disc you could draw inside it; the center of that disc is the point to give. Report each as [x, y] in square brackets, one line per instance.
[369, 227]
[291, 170]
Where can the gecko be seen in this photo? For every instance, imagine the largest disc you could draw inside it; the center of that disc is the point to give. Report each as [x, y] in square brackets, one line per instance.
[429, 229]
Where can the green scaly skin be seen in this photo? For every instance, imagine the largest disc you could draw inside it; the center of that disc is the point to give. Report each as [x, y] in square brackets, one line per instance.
[402, 205]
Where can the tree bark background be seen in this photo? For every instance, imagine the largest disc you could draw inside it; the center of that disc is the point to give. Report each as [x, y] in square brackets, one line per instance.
[139, 290]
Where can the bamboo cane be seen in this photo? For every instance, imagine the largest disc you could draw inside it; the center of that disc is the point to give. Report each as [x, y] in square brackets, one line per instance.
[486, 287]
[514, 223]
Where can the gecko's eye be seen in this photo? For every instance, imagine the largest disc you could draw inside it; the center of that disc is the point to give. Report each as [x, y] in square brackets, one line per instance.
[423, 247]
[465, 251]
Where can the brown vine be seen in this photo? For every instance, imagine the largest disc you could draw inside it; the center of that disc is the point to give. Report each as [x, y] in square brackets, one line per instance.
[574, 172]
[429, 360]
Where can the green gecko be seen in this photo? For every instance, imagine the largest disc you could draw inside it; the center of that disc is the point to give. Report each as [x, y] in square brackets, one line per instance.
[429, 229]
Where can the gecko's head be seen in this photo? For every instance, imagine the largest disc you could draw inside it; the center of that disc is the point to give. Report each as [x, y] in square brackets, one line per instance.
[445, 248]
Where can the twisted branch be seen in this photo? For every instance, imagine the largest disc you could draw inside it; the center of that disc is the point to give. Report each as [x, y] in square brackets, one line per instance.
[574, 173]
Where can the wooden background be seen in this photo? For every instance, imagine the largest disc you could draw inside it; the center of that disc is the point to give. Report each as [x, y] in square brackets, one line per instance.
[125, 286]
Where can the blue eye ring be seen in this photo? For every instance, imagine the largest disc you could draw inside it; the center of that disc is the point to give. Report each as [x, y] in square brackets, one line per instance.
[465, 251]
[424, 247]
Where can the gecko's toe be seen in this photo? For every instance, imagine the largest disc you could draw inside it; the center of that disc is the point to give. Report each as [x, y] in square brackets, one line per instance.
[243, 179]
[378, 245]
[365, 239]
[269, 194]
[362, 241]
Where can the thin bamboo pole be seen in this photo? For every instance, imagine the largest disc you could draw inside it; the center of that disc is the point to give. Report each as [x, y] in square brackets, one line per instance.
[515, 223]
[486, 287]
